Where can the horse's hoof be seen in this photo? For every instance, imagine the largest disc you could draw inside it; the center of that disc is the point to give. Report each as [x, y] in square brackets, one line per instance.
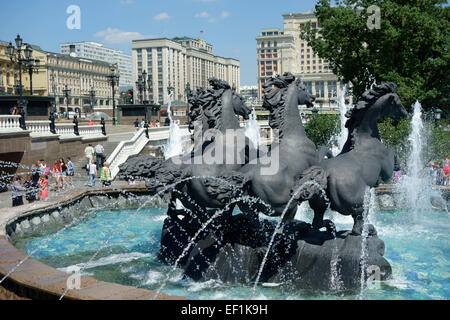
[331, 228]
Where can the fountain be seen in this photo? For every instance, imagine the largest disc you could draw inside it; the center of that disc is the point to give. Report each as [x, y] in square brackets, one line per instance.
[230, 239]
[174, 146]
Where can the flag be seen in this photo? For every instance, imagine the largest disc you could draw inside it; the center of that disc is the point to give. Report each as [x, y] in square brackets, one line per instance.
[201, 31]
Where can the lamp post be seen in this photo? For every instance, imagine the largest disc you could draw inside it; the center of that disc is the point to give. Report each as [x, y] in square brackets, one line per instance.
[32, 65]
[66, 94]
[113, 79]
[92, 98]
[139, 86]
[149, 86]
[144, 85]
[437, 114]
[17, 57]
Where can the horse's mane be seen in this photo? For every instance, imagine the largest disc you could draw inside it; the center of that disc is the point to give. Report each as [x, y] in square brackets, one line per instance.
[368, 99]
[275, 93]
[195, 109]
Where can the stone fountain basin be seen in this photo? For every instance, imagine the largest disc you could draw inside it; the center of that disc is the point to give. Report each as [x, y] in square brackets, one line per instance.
[35, 280]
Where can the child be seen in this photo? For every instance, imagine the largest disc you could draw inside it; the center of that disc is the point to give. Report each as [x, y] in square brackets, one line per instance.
[43, 185]
[105, 175]
[17, 192]
[30, 186]
[92, 169]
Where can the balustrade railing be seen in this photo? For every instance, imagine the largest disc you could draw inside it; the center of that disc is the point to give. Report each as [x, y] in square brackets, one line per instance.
[64, 128]
[38, 126]
[95, 130]
[9, 122]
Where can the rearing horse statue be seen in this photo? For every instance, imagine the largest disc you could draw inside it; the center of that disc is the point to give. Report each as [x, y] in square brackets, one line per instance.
[291, 152]
[363, 161]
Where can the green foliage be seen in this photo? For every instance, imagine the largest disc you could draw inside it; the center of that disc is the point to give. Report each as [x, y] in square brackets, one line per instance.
[395, 135]
[322, 127]
[410, 49]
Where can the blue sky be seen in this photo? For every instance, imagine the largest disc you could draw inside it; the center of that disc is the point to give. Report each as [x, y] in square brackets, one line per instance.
[231, 26]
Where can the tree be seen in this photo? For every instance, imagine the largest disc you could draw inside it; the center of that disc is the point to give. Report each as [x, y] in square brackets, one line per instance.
[322, 127]
[411, 47]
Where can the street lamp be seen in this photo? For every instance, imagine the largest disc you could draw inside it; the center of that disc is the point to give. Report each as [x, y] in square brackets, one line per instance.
[32, 65]
[67, 92]
[144, 84]
[113, 79]
[437, 114]
[92, 98]
[16, 57]
[139, 85]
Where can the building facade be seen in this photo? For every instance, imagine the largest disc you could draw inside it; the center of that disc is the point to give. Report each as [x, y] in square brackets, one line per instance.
[281, 51]
[176, 63]
[96, 51]
[250, 94]
[80, 75]
[9, 73]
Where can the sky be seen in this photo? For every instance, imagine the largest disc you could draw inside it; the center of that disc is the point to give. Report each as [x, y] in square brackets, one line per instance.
[231, 26]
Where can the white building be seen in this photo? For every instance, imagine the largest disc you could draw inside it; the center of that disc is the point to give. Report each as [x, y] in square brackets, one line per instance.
[281, 51]
[177, 62]
[96, 51]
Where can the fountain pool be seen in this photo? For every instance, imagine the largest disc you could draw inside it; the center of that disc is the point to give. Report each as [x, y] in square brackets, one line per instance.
[419, 254]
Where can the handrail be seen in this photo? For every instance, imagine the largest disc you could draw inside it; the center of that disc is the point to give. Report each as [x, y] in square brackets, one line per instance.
[134, 146]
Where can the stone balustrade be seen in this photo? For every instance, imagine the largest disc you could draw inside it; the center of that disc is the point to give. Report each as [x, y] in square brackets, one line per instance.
[38, 126]
[64, 128]
[8, 122]
[95, 130]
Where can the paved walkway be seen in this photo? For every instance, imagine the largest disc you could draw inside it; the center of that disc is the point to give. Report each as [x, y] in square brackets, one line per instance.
[116, 134]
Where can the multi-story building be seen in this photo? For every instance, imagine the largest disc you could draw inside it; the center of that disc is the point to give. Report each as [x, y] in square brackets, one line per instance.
[281, 51]
[80, 75]
[9, 73]
[178, 62]
[96, 51]
[250, 94]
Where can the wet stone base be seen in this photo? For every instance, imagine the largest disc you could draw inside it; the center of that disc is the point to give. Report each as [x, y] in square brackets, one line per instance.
[232, 252]
[51, 220]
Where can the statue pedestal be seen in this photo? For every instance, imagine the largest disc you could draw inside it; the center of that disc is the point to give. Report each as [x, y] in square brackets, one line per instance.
[232, 252]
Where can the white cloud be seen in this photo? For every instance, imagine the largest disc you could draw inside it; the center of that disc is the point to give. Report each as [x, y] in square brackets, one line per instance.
[225, 14]
[203, 14]
[161, 16]
[126, 2]
[114, 35]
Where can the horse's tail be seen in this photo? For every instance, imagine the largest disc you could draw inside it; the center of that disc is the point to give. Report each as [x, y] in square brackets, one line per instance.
[311, 183]
[156, 174]
[225, 188]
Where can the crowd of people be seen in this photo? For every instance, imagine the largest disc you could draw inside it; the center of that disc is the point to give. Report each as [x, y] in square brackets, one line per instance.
[35, 186]
[96, 163]
[150, 124]
[440, 172]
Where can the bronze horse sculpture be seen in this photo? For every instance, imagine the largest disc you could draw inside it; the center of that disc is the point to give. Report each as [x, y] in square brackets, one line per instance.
[363, 162]
[291, 152]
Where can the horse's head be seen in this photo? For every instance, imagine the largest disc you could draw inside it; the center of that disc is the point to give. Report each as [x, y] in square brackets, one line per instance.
[304, 97]
[239, 106]
[389, 102]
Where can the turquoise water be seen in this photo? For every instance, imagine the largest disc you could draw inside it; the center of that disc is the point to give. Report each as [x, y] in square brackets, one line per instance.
[419, 252]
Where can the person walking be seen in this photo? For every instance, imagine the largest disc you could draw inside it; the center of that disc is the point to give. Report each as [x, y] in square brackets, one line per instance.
[105, 175]
[64, 170]
[57, 174]
[92, 173]
[17, 192]
[89, 152]
[99, 157]
[70, 171]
